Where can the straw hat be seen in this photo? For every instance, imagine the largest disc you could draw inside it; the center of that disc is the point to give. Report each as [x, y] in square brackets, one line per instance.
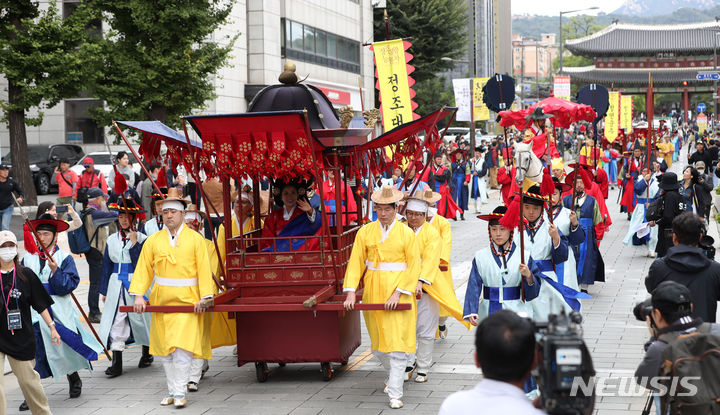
[173, 195]
[428, 196]
[387, 195]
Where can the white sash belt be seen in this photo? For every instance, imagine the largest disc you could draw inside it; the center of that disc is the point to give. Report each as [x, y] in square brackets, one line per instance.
[386, 266]
[176, 282]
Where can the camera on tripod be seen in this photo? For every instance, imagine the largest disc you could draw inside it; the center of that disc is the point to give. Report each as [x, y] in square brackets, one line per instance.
[563, 359]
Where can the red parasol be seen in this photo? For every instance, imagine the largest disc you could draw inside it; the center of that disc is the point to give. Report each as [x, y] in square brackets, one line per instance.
[564, 113]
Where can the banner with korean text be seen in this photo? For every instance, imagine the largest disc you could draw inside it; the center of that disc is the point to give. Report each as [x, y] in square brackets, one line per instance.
[561, 87]
[626, 106]
[612, 116]
[394, 82]
[480, 111]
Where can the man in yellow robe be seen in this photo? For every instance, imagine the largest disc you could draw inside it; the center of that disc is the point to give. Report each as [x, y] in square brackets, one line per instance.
[176, 258]
[442, 226]
[433, 290]
[386, 250]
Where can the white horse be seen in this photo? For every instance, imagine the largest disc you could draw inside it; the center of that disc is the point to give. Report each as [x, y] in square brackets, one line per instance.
[527, 164]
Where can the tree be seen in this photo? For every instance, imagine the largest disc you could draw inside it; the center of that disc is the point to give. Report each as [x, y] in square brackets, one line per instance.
[44, 59]
[158, 60]
[577, 26]
[438, 29]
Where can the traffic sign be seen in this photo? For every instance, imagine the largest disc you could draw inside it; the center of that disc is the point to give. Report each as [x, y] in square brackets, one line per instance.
[701, 107]
[708, 76]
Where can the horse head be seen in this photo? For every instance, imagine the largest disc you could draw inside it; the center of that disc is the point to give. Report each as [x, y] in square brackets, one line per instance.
[527, 164]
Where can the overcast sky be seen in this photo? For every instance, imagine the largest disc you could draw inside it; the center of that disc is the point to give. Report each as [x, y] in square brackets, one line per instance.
[553, 8]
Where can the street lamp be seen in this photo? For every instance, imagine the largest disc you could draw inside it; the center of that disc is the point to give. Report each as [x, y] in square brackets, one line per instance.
[561, 42]
[472, 104]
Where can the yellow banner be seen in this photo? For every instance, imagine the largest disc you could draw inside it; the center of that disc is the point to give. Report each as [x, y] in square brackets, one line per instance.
[480, 111]
[612, 116]
[393, 82]
[626, 106]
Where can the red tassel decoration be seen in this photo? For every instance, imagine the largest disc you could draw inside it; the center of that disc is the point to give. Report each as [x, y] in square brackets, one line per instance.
[29, 241]
[512, 215]
[547, 187]
[121, 185]
[161, 180]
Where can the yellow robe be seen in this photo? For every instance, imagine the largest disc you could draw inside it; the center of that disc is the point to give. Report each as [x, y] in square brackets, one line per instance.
[430, 244]
[188, 259]
[223, 331]
[390, 331]
[667, 150]
[443, 227]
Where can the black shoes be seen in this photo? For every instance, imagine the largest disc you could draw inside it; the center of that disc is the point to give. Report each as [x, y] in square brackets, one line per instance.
[94, 317]
[75, 384]
[115, 369]
[24, 407]
[146, 358]
[462, 216]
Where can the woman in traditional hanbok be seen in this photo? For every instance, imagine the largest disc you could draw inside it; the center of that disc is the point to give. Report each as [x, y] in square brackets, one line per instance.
[295, 218]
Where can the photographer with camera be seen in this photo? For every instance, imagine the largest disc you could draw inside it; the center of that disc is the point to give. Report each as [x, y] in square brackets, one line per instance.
[687, 263]
[668, 314]
[505, 351]
[672, 204]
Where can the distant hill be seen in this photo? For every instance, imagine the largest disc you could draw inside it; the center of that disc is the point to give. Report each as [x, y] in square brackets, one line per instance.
[660, 7]
[533, 26]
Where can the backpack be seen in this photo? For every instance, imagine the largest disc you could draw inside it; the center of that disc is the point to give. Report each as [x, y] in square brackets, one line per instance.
[655, 209]
[78, 238]
[695, 354]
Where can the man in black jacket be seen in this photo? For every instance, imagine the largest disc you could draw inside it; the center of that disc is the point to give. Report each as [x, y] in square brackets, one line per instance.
[686, 263]
[673, 205]
[700, 155]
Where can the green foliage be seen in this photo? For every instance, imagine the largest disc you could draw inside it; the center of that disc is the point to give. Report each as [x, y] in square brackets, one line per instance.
[158, 58]
[575, 27]
[431, 94]
[638, 103]
[438, 29]
[43, 55]
[533, 26]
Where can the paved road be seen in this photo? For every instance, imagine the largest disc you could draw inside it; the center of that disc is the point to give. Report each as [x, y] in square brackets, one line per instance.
[615, 340]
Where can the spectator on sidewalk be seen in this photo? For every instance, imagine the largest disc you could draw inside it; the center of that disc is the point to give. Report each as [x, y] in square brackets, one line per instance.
[97, 227]
[67, 181]
[687, 264]
[90, 177]
[147, 189]
[7, 205]
[123, 167]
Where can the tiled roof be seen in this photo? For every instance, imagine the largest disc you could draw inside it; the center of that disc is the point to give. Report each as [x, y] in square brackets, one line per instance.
[636, 39]
[634, 76]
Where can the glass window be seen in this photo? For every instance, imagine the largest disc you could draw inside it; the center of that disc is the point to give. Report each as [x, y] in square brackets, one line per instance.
[287, 38]
[79, 120]
[342, 49]
[309, 39]
[332, 45]
[297, 36]
[321, 42]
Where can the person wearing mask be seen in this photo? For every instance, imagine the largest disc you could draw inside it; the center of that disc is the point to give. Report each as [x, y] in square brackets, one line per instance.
[67, 182]
[123, 167]
[91, 177]
[687, 264]
[703, 190]
[505, 352]
[97, 228]
[24, 292]
[177, 337]
[122, 251]
[58, 273]
[700, 155]
[674, 204]
[8, 185]
[386, 252]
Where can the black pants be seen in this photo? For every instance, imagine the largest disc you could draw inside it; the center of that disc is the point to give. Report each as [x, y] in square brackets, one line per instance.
[216, 221]
[664, 241]
[95, 260]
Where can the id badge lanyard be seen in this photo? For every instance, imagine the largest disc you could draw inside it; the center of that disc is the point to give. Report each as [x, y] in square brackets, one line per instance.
[6, 302]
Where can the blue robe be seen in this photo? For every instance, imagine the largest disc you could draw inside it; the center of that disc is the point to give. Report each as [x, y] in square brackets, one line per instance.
[459, 188]
[575, 237]
[611, 167]
[118, 267]
[494, 285]
[638, 216]
[590, 265]
[478, 181]
[78, 347]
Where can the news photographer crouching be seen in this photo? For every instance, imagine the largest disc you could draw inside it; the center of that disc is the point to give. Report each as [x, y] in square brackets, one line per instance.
[668, 314]
[687, 263]
[505, 351]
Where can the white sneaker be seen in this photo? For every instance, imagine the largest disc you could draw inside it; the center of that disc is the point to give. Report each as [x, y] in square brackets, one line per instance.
[396, 403]
[652, 254]
[192, 387]
[386, 390]
[180, 401]
[168, 400]
[421, 377]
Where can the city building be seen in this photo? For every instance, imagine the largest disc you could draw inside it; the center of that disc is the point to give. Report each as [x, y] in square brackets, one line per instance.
[324, 39]
[532, 57]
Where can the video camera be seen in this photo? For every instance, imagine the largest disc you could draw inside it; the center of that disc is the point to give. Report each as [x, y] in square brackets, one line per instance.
[563, 357]
[707, 245]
